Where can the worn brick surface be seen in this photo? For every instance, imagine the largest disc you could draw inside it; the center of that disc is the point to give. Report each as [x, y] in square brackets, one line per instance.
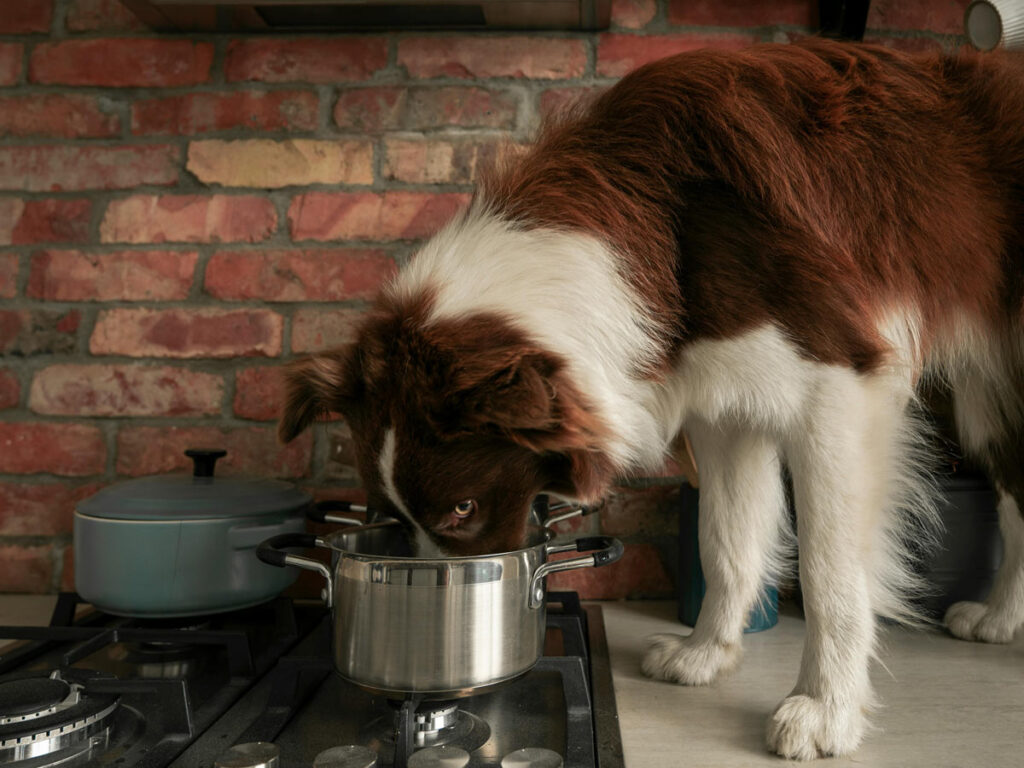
[21, 17]
[10, 63]
[188, 218]
[101, 16]
[259, 393]
[395, 215]
[314, 330]
[619, 54]
[945, 16]
[194, 113]
[253, 451]
[906, 44]
[10, 389]
[633, 14]
[58, 115]
[649, 511]
[391, 108]
[38, 331]
[185, 333]
[311, 60]
[51, 220]
[40, 509]
[439, 161]
[293, 162]
[298, 275]
[557, 100]
[50, 447]
[11, 209]
[127, 275]
[639, 573]
[57, 168]
[8, 275]
[120, 62]
[742, 13]
[124, 390]
[341, 454]
[521, 56]
[26, 568]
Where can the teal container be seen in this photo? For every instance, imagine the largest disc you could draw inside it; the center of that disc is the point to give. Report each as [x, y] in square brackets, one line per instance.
[692, 586]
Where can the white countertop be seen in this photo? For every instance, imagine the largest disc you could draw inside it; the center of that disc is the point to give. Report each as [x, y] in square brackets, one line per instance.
[947, 703]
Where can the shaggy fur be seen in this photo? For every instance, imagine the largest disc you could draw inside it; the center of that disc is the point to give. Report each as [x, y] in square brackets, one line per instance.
[768, 251]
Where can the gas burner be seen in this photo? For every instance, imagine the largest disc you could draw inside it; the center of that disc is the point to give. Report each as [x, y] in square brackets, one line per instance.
[435, 723]
[53, 719]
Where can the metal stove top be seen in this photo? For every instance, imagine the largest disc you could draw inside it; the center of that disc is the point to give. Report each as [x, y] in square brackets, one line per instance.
[109, 691]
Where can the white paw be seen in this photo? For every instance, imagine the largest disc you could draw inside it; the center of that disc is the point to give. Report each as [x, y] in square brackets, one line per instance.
[977, 621]
[803, 728]
[679, 660]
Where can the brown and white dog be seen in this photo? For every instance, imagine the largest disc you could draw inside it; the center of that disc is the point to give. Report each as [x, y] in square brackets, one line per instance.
[766, 250]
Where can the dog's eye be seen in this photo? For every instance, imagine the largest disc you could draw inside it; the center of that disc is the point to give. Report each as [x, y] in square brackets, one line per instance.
[464, 509]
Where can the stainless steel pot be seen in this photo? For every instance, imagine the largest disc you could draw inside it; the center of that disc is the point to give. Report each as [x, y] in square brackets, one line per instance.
[439, 628]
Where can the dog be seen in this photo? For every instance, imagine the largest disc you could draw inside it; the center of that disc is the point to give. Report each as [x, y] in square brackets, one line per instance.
[765, 251]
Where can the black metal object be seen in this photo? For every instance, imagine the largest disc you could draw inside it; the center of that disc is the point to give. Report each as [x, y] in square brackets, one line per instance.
[843, 19]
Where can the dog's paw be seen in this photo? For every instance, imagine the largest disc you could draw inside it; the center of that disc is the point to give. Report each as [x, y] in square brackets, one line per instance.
[680, 660]
[803, 728]
[977, 621]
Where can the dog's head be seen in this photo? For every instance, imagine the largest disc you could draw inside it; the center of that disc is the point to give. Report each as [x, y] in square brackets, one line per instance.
[457, 423]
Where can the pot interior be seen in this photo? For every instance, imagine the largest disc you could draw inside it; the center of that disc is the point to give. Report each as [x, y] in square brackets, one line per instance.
[388, 539]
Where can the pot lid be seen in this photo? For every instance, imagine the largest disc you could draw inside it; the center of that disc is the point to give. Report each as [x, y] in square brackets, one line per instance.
[199, 496]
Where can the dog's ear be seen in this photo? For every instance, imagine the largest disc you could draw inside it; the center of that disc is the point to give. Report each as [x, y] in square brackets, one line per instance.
[317, 385]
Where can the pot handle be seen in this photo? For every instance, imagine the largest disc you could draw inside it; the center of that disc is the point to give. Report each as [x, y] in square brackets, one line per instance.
[270, 552]
[608, 550]
[323, 512]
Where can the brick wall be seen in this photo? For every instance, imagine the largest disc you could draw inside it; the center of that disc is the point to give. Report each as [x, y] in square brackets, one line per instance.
[180, 214]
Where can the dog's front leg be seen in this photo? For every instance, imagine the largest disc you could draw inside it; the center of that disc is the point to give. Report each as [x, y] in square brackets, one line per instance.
[830, 460]
[741, 525]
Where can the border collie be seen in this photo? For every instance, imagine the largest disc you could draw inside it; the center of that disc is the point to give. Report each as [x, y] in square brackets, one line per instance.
[765, 251]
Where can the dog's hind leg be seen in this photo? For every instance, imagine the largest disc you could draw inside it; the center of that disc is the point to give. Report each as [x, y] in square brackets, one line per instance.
[849, 467]
[987, 431]
[742, 530]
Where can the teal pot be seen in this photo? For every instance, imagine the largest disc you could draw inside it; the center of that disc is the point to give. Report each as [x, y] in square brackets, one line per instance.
[183, 545]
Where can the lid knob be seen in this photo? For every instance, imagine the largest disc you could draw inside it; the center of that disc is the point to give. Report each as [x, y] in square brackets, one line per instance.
[203, 460]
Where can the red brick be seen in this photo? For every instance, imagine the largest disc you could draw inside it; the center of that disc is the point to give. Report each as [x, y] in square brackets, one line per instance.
[944, 16]
[309, 60]
[440, 161]
[633, 14]
[395, 215]
[10, 389]
[639, 573]
[58, 448]
[67, 576]
[742, 13]
[194, 113]
[188, 219]
[59, 115]
[251, 450]
[122, 62]
[906, 44]
[22, 17]
[185, 333]
[8, 275]
[393, 108]
[259, 393]
[316, 330]
[11, 209]
[26, 568]
[556, 100]
[341, 454]
[298, 275]
[56, 168]
[102, 16]
[619, 54]
[127, 275]
[649, 511]
[10, 63]
[124, 390]
[38, 332]
[40, 509]
[537, 58]
[54, 220]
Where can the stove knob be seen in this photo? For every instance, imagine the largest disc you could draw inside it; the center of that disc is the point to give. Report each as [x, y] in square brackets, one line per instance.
[256, 754]
[533, 757]
[349, 756]
[439, 757]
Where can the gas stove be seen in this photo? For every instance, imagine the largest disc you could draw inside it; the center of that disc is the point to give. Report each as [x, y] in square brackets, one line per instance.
[258, 688]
